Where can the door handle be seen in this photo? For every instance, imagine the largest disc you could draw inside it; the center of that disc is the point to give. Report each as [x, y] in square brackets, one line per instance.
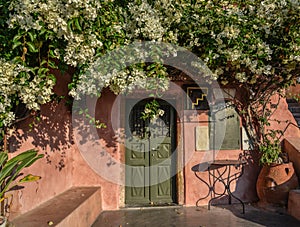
[152, 155]
[153, 149]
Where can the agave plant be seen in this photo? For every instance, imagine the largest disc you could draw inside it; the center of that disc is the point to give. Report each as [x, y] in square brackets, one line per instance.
[10, 170]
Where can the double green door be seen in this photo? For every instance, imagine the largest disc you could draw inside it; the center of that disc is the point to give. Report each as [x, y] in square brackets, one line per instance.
[150, 157]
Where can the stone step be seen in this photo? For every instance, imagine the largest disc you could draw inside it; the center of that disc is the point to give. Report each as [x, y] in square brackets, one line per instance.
[296, 115]
[291, 101]
[78, 206]
[293, 104]
[294, 109]
[294, 203]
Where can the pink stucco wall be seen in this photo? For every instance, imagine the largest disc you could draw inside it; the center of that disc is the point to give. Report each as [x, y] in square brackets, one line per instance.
[282, 118]
[293, 91]
[64, 166]
[243, 188]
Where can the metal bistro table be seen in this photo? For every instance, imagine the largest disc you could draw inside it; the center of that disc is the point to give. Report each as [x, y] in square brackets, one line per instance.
[217, 174]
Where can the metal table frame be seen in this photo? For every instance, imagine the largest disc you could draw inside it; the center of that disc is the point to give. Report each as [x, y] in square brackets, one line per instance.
[216, 174]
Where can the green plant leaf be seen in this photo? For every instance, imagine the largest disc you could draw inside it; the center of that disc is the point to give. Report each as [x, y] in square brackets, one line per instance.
[31, 36]
[31, 47]
[29, 178]
[3, 158]
[16, 44]
[13, 167]
[77, 24]
[16, 38]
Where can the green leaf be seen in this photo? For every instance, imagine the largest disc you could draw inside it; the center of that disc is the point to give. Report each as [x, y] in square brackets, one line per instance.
[17, 59]
[16, 44]
[22, 156]
[29, 178]
[69, 25]
[7, 170]
[43, 62]
[31, 47]
[77, 24]
[48, 34]
[31, 36]
[51, 54]
[42, 71]
[12, 168]
[3, 158]
[52, 64]
[16, 38]
[43, 30]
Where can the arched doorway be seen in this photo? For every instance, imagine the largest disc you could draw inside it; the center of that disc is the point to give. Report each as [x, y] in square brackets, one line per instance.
[150, 157]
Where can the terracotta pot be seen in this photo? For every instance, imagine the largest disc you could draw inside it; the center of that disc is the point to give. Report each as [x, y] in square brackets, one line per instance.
[3, 221]
[274, 183]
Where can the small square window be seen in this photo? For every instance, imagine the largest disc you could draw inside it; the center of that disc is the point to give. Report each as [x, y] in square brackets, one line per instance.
[196, 97]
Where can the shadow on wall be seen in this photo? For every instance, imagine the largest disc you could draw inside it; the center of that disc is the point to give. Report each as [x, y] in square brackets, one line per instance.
[246, 185]
[95, 142]
[52, 133]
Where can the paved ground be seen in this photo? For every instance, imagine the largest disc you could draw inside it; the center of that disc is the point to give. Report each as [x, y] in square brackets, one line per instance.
[227, 215]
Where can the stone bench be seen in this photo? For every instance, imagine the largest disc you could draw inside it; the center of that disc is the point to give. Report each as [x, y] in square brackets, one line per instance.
[78, 206]
[294, 203]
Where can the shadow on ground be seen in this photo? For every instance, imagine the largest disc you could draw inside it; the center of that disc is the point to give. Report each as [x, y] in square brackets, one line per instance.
[226, 215]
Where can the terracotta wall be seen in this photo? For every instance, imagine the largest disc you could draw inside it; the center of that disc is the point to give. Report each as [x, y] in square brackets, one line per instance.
[282, 119]
[293, 91]
[63, 166]
[244, 187]
[63, 142]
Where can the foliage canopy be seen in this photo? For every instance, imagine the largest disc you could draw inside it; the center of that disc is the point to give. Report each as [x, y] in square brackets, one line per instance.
[252, 44]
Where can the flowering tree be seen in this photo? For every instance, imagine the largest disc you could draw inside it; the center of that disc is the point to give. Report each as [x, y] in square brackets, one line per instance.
[253, 45]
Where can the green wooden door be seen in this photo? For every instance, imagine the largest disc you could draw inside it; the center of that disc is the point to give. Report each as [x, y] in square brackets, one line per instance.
[150, 164]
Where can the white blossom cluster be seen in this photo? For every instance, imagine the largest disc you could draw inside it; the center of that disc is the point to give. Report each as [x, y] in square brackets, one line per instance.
[240, 49]
[55, 15]
[6, 90]
[154, 23]
[244, 47]
[15, 84]
[144, 22]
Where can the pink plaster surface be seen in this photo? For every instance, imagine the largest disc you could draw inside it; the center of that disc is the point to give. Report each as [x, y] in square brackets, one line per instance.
[243, 188]
[285, 117]
[293, 91]
[195, 189]
[65, 167]
[62, 167]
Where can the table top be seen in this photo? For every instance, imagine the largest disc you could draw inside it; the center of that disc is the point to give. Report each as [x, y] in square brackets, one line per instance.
[204, 166]
[228, 162]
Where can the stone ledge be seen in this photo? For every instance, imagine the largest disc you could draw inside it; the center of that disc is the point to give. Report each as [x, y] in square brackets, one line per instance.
[291, 145]
[294, 203]
[78, 206]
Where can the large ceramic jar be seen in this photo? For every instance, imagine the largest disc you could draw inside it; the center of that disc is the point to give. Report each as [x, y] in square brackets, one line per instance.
[274, 183]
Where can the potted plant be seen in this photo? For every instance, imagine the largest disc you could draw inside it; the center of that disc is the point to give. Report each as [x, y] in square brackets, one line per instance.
[10, 177]
[277, 176]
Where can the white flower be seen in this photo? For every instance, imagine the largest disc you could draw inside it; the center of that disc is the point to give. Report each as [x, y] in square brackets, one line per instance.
[147, 110]
[161, 112]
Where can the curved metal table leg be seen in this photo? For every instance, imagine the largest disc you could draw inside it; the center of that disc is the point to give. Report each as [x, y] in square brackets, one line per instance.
[210, 189]
[230, 194]
[217, 179]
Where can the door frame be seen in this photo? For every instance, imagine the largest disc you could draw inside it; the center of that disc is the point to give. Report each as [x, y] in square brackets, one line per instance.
[178, 127]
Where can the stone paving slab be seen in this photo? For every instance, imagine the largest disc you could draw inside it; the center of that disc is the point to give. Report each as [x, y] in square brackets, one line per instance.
[226, 215]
